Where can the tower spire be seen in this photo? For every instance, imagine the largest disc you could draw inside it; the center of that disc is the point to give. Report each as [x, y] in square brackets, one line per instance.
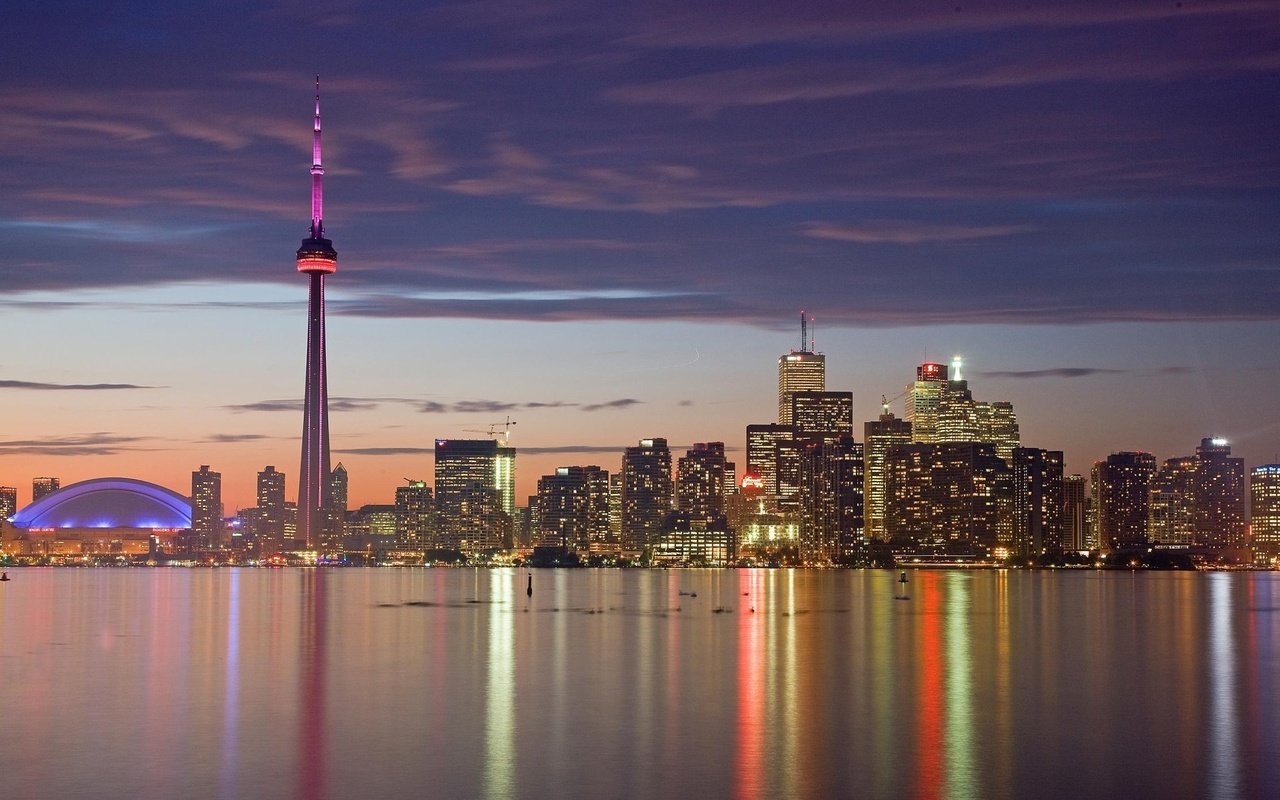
[317, 174]
[804, 333]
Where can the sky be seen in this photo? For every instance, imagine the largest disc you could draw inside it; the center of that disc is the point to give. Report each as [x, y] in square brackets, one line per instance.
[602, 220]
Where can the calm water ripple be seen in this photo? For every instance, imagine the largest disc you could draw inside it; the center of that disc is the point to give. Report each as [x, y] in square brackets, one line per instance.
[754, 684]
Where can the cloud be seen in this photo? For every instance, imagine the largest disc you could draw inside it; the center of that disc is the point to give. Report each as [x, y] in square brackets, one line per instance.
[482, 407]
[88, 444]
[624, 402]
[386, 451]
[906, 232]
[1058, 372]
[229, 438]
[68, 387]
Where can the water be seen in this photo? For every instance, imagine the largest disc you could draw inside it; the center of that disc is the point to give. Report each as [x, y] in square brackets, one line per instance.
[412, 683]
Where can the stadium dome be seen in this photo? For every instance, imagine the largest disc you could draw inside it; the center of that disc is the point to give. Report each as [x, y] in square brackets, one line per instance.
[107, 503]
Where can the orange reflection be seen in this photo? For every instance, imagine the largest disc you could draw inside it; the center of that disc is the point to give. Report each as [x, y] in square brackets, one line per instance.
[311, 739]
[749, 752]
[929, 749]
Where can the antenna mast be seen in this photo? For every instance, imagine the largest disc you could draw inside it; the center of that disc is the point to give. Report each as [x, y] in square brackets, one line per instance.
[804, 332]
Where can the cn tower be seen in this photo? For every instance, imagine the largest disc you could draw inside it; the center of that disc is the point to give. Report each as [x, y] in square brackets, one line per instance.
[316, 259]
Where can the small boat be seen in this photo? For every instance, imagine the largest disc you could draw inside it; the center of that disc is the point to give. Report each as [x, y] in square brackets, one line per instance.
[4, 576]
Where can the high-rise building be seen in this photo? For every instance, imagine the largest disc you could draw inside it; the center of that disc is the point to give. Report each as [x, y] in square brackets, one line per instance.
[1037, 501]
[8, 502]
[272, 515]
[338, 481]
[831, 512]
[573, 509]
[206, 509]
[879, 436]
[800, 370]
[1075, 524]
[316, 259]
[822, 415]
[922, 401]
[1170, 504]
[1121, 496]
[415, 517]
[701, 478]
[953, 497]
[43, 486]
[762, 452]
[474, 489]
[1264, 508]
[646, 493]
[615, 511]
[1219, 496]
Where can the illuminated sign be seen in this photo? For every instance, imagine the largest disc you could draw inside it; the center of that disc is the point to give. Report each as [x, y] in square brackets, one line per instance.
[752, 481]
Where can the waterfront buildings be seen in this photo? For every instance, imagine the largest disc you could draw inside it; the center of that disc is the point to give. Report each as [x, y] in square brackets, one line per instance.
[415, 517]
[1264, 504]
[831, 502]
[572, 510]
[8, 501]
[647, 492]
[474, 488]
[762, 452]
[1218, 490]
[1038, 501]
[704, 478]
[1171, 503]
[952, 497]
[1121, 489]
[878, 437]
[206, 509]
[271, 519]
[1076, 532]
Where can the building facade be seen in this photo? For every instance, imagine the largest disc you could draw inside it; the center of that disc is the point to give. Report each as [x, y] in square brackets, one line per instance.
[647, 492]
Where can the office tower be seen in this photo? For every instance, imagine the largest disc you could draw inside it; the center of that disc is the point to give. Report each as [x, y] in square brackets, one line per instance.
[701, 480]
[947, 497]
[415, 517]
[1170, 504]
[8, 502]
[1121, 493]
[338, 481]
[316, 258]
[762, 452]
[830, 498]
[573, 509]
[206, 509]
[1264, 508]
[474, 489]
[43, 486]
[922, 401]
[959, 418]
[1000, 427]
[878, 437]
[272, 517]
[1075, 523]
[646, 492]
[688, 540]
[787, 467]
[1219, 496]
[800, 370]
[1037, 501]
[822, 415]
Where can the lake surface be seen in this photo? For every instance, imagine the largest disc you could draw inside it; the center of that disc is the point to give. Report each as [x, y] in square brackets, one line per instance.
[419, 683]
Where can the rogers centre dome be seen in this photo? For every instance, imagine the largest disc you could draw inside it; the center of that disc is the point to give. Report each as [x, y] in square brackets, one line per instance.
[108, 503]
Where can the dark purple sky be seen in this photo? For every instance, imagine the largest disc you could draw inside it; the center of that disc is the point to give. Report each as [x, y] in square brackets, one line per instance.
[1078, 190]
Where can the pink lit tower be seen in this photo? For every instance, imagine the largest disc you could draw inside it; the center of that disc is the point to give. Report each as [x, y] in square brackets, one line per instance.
[316, 259]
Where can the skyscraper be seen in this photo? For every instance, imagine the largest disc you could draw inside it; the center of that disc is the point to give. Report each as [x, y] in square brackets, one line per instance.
[1264, 505]
[573, 509]
[1076, 536]
[316, 259]
[822, 415]
[415, 517]
[272, 514]
[922, 401]
[646, 493]
[701, 476]
[8, 502]
[206, 508]
[338, 481]
[879, 436]
[831, 480]
[1037, 501]
[43, 486]
[1219, 496]
[947, 496]
[473, 492]
[762, 453]
[1170, 505]
[800, 370]
[1121, 496]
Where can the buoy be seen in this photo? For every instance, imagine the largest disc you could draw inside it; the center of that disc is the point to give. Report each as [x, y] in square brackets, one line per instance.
[529, 592]
[902, 581]
[4, 576]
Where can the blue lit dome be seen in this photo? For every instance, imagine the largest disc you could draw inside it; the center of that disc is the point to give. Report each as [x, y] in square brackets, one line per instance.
[107, 503]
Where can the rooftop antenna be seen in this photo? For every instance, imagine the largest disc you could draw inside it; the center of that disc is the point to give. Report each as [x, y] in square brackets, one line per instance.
[317, 174]
[813, 335]
[804, 331]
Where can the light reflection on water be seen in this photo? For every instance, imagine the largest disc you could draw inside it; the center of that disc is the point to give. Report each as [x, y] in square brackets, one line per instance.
[452, 683]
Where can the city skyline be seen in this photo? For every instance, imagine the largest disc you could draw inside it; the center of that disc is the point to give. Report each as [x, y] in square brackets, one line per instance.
[1088, 227]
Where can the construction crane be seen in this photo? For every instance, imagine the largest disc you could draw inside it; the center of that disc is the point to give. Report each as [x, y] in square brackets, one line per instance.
[505, 433]
[885, 402]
